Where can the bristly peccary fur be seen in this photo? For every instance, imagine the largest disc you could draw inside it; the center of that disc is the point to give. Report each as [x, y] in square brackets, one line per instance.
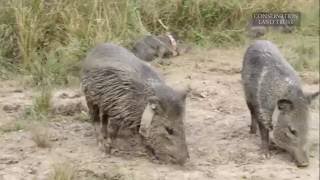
[125, 93]
[269, 81]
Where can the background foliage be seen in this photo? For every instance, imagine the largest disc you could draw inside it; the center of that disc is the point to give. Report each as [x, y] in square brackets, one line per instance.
[47, 39]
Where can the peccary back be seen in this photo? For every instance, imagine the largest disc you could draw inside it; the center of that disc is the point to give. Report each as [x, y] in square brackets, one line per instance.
[269, 81]
[256, 31]
[106, 55]
[123, 92]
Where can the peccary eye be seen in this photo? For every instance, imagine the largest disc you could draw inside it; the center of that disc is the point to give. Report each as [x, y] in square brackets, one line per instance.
[292, 131]
[169, 130]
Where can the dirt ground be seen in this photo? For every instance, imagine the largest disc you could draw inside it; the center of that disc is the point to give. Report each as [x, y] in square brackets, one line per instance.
[216, 125]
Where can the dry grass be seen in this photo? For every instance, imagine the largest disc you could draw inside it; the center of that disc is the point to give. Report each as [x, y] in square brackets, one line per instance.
[301, 51]
[63, 171]
[48, 39]
[40, 135]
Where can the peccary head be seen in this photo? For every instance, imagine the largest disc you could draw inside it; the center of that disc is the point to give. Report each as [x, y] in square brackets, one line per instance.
[171, 41]
[291, 130]
[162, 125]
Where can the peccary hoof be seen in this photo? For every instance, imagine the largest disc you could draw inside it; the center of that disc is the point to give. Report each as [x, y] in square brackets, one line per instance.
[266, 154]
[113, 151]
[107, 147]
[253, 130]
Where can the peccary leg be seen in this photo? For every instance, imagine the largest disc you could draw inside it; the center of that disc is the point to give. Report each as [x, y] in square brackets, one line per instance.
[104, 131]
[264, 139]
[253, 126]
[112, 132]
[264, 133]
[94, 115]
[93, 112]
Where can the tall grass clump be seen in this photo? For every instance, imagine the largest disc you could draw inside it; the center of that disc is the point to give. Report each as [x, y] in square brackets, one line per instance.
[63, 171]
[50, 37]
[47, 39]
[207, 22]
[40, 135]
[40, 107]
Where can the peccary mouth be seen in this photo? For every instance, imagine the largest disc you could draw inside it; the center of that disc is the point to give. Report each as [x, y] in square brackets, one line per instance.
[301, 158]
[302, 165]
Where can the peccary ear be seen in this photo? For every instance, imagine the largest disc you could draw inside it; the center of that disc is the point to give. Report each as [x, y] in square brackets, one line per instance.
[185, 91]
[311, 96]
[285, 105]
[147, 116]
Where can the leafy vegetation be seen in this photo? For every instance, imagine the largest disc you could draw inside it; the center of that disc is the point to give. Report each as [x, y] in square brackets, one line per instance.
[41, 105]
[47, 39]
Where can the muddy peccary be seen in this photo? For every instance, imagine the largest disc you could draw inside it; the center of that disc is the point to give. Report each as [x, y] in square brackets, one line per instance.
[269, 82]
[151, 47]
[123, 92]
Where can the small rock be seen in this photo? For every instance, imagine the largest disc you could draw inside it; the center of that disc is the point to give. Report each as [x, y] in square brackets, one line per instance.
[32, 171]
[54, 139]
[8, 160]
[68, 103]
[10, 108]
[199, 94]
[17, 91]
[63, 95]
[88, 134]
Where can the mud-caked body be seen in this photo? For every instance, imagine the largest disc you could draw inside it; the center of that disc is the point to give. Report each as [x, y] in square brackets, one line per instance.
[151, 47]
[270, 82]
[125, 93]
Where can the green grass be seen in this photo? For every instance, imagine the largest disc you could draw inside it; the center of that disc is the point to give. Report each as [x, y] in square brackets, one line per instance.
[40, 107]
[16, 125]
[301, 48]
[301, 51]
[47, 39]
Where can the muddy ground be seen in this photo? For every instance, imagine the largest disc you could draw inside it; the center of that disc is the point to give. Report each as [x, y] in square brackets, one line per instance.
[216, 127]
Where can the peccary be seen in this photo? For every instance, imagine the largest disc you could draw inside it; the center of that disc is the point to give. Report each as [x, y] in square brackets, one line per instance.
[150, 47]
[123, 92]
[269, 82]
[256, 31]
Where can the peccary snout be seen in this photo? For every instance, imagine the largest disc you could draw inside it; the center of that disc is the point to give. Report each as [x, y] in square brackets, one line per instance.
[301, 157]
[162, 125]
